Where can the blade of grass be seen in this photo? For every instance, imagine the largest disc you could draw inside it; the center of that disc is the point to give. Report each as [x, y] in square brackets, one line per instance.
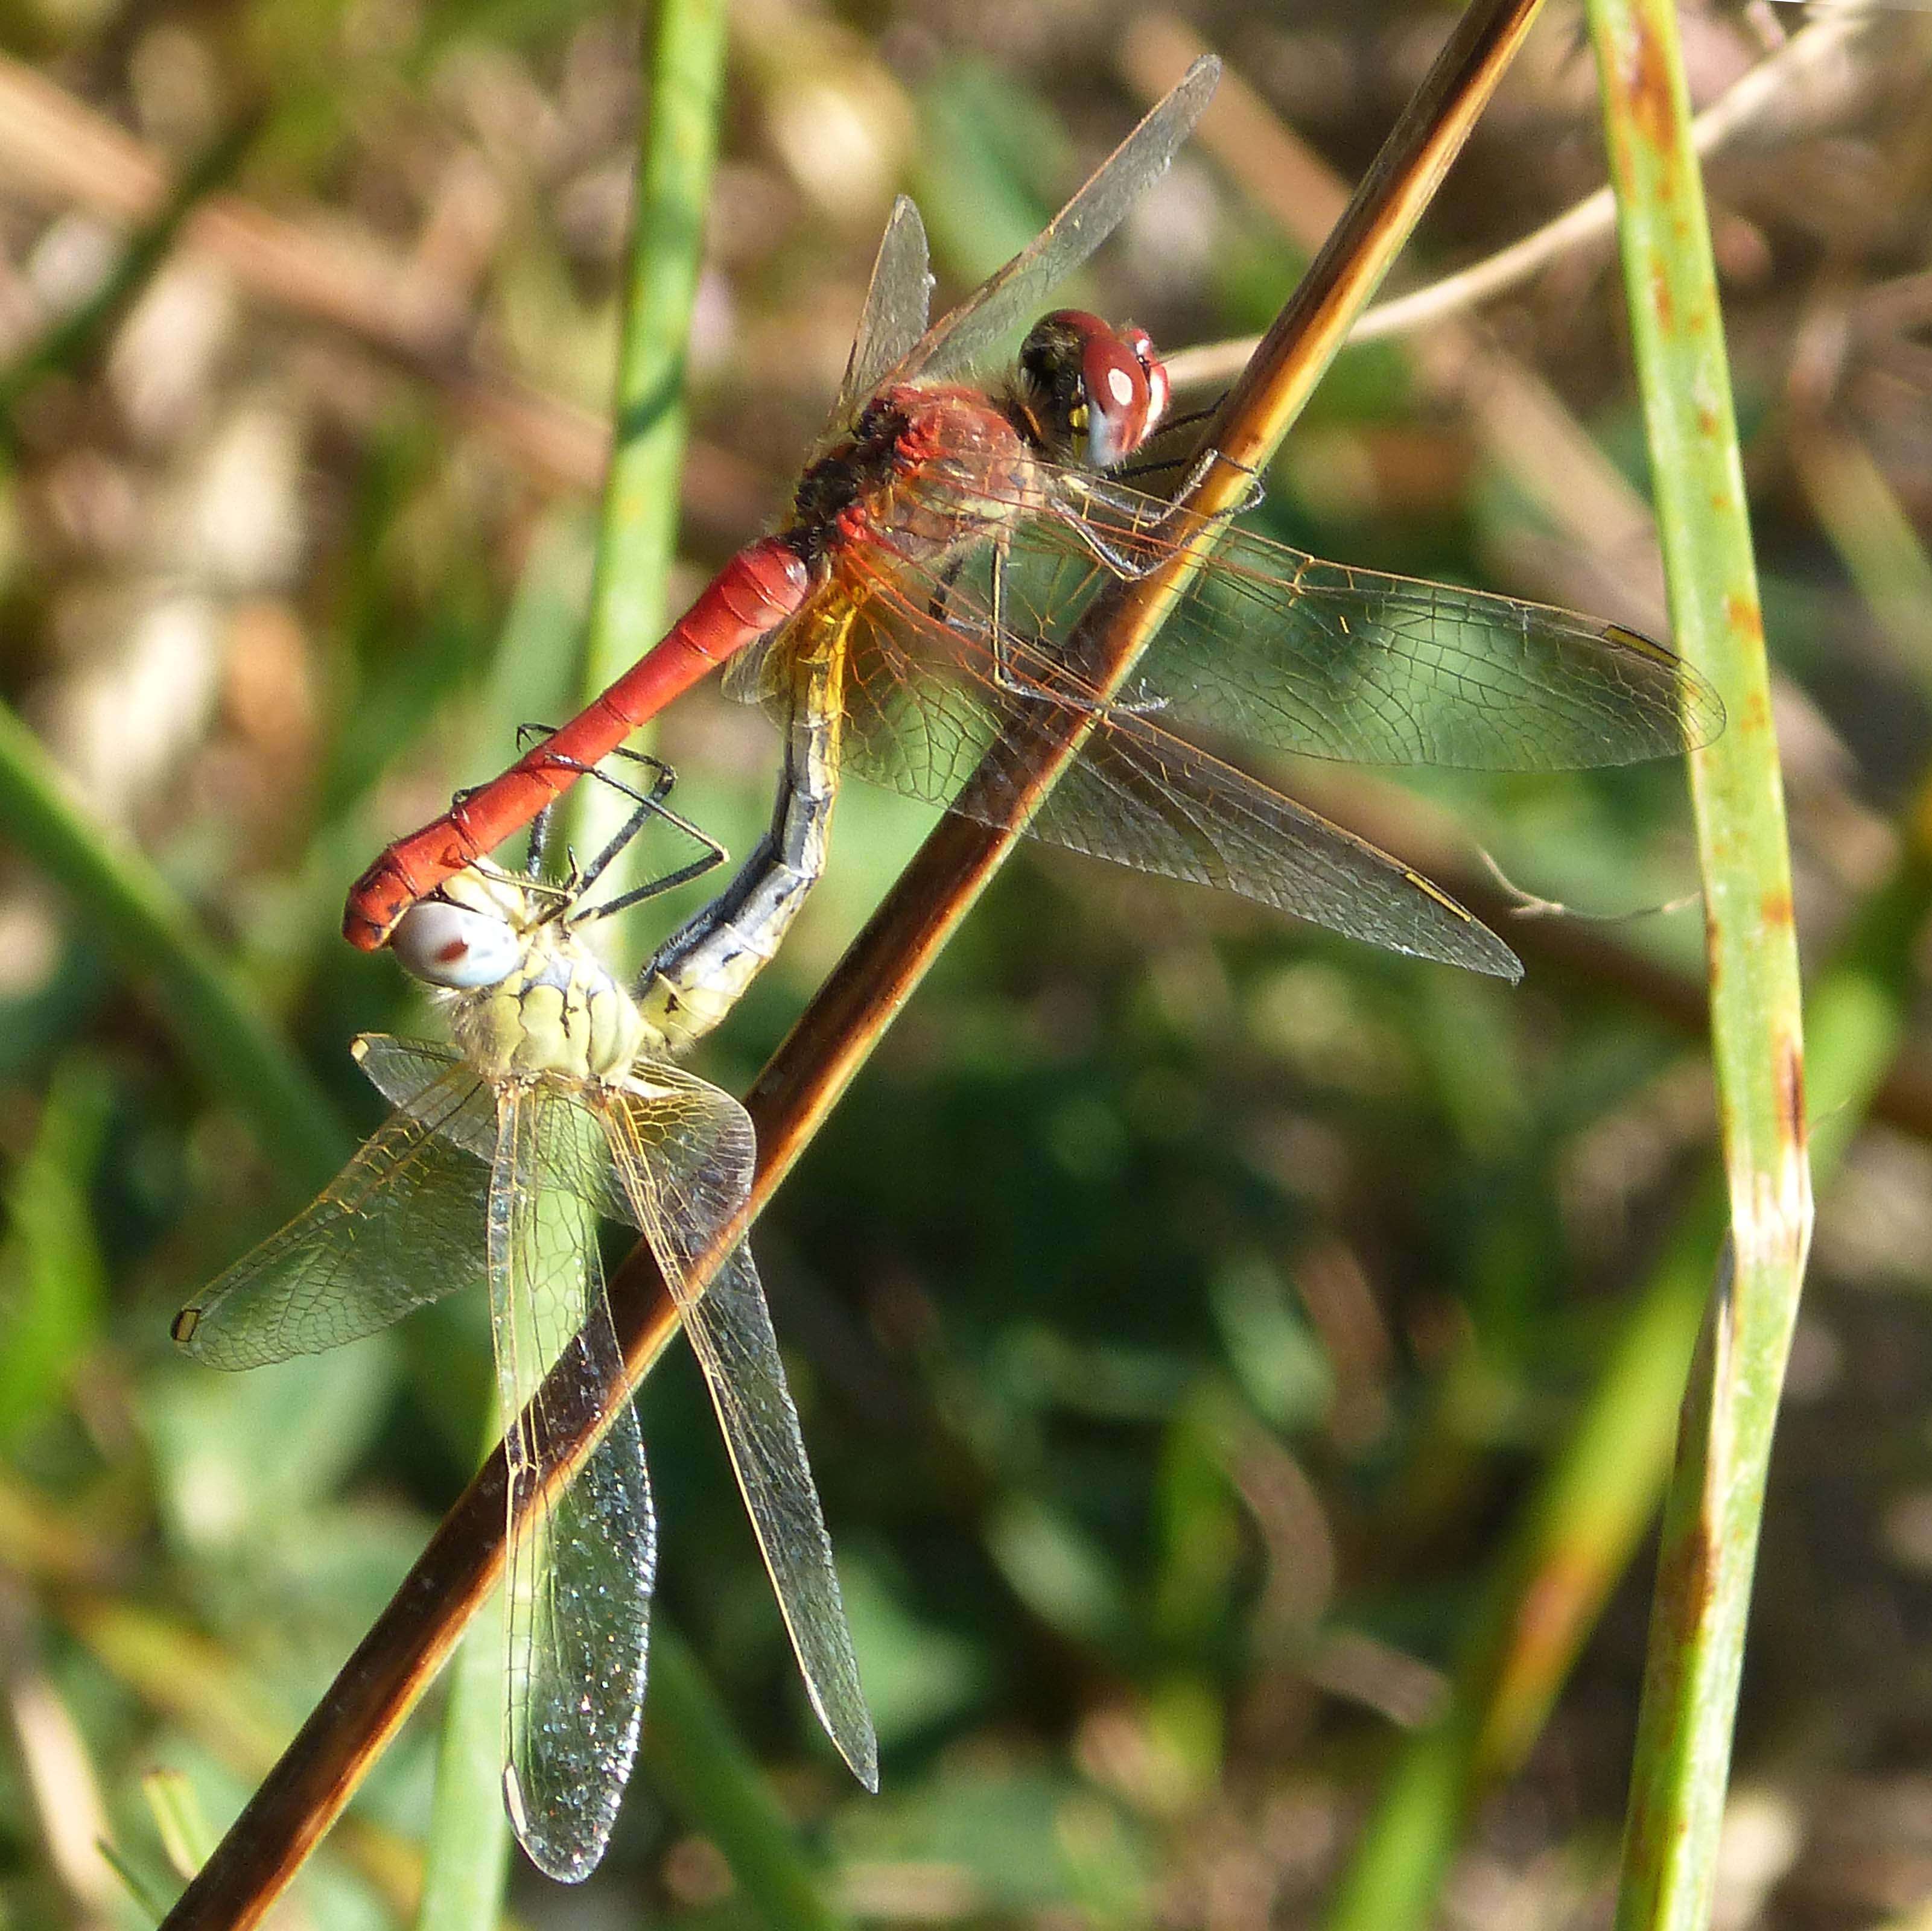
[1871, 530]
[466, 1855]
[295, 1804]
[696, 1757]
[689, 1739]
[1716, 1495]
[638, 536]
[55, 1280]
[216, 1025]
[1570, 1544]
[179, 1821]
[1581, 1527]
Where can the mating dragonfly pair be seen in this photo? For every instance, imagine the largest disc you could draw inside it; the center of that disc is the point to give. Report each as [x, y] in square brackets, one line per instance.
[910, 621]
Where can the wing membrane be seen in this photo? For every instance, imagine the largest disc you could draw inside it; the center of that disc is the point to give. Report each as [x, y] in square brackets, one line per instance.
[1269, 644]
[408, 1073]
[683, 1151]
[894, 316]
[1140, 796]
[965, 335]
[401, 1224]
[582, 1551]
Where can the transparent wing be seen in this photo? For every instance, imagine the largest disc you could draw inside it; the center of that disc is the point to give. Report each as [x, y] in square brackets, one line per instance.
[408, 1073]
[894, 316]
[583, 1552]
[683, 1151]
[965, 335]
[1271, 645]
[401, 1224]
[1143, 798]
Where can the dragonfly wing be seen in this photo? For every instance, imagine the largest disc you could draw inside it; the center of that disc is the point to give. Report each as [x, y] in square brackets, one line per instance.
[1271, 645]
[582, 1551]
[410, 1076]
[684, 1151]
[401, 1224]
[965, 335]
[1285, 649]
[894, 316]
[1141, 797]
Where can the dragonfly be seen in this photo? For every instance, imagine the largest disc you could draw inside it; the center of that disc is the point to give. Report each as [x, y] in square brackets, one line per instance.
[912, 616]
[555, 1107]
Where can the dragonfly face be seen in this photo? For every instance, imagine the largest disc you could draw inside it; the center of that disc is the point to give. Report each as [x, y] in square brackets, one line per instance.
[1089, 394]
[929, 469]
[527, 996]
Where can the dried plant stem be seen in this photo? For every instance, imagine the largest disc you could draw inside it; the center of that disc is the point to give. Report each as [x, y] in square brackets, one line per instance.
[1808, 55]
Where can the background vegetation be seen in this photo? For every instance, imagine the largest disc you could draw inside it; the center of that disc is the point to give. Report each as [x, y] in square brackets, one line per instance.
[1188, 1311]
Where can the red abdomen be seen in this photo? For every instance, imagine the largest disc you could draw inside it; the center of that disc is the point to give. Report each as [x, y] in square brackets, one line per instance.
[765, 584]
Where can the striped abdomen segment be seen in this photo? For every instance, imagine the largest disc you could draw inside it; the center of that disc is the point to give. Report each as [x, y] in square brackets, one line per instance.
[701, 972]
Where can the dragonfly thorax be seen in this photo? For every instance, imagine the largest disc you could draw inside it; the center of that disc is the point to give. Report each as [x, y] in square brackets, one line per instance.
[527, 998]
[565, 1016]
[926, 471]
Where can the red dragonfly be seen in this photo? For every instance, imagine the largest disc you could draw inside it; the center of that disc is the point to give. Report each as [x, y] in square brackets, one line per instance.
[941, 546]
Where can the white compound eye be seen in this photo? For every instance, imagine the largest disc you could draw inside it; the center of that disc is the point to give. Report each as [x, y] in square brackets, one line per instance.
[448, 946]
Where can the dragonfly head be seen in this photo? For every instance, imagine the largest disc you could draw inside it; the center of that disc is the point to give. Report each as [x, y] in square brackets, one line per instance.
[461, 947]
[1093, 393]
[530, 999]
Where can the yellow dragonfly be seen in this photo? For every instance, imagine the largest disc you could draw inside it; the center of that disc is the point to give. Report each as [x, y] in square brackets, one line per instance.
[554, 1108]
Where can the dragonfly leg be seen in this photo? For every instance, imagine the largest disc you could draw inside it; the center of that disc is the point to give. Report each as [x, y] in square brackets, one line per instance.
[1252, 496]
[1015, 684]
[669, 881]
[1110, 555]
[649, 804]
[1152, 537]
[1000, 639]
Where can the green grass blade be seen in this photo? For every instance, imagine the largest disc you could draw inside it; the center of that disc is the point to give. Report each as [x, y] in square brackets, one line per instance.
[1571, 1543]
[1711, 1513]
[638, 535]
[696, 1756]
[466, 1857]
[691, 1747]
[53, 1279]
[179, 1820]
[216, 1025]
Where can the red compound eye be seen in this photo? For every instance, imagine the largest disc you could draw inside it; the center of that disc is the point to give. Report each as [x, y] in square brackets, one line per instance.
[1124, 383]
[1096, 392]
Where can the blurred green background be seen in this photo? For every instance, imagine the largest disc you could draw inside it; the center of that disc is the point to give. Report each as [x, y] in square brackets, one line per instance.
[1183, 1307]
